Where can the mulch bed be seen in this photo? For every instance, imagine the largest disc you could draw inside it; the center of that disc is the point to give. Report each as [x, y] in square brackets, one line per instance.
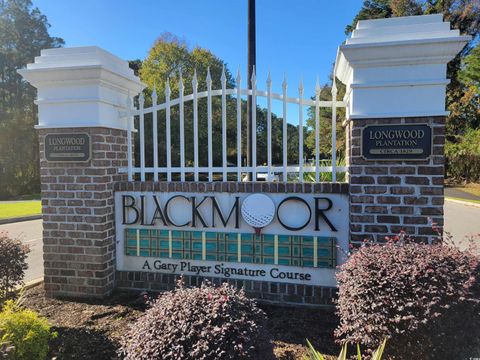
[91, 329]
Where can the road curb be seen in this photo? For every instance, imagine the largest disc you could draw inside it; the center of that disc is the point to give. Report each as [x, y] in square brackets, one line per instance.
[19, 219]
[467, 203]
[30, 284]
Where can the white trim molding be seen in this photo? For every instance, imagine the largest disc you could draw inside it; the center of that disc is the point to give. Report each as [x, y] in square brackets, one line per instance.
[397, 67]
[81, 87]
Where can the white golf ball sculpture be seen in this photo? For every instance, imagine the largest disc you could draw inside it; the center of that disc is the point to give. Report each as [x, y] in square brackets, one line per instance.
[258, 211]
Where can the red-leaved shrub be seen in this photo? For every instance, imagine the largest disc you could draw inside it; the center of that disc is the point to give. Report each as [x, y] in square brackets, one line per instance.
[13, 263]
[425, 298]
[203, 322]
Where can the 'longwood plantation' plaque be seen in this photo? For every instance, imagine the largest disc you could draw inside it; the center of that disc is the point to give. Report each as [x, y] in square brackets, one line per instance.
[67, 147]
[397, 142]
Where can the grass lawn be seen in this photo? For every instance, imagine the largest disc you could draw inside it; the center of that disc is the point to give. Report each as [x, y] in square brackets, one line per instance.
[472, 189]
[19, 208]
[466, 200]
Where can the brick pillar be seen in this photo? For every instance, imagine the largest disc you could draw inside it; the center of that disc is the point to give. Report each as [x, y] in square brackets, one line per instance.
[395, 75]
[389, 196]
[81, 91]
[78, 214]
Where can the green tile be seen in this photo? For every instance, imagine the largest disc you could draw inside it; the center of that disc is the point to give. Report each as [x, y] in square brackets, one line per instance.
[307, 240]
[268, 249]
[292, 250]
[324, 252]
[177, 245]
[308, 263]
[164, 233]
[247, 249]
[164, 245]
[307, 252]
[232, 248]
[197, 235]
[284, 251]
[247, 237]
[177, 234]
[269, 238]
[283, 239]
[211, 236]
[211, 246]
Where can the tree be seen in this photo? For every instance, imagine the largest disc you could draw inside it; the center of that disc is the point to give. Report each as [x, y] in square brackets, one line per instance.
[464, 15]
[467, 108]
[168, 57]
[470, 73]
[23, 33]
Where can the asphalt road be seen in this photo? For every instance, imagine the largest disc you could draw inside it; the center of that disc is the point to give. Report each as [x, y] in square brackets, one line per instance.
[460, 221]
[30, 232]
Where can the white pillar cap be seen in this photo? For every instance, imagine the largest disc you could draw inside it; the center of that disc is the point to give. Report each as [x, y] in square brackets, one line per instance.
[396, 67]
[81, 87]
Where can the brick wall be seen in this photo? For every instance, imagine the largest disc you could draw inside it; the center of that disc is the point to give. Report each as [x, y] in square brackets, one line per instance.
[389, 196]
[233, 186]
[263, 291]
[78, 215]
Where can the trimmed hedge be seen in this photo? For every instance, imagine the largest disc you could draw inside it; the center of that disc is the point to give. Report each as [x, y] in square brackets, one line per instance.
[425, 298]
[204, 322]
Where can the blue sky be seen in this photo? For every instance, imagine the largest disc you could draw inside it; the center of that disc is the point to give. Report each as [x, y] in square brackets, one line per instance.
[299, 38]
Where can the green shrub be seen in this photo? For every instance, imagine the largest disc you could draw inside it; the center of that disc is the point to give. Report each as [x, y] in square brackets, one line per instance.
[13, 263]
[198, 323]
[326, 176]
[463, 157]
[24, 334]
[425, 297]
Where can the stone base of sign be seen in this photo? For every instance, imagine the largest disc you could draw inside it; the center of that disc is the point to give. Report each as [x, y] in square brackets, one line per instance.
[78, 215]
[387, 197]
[263, 291]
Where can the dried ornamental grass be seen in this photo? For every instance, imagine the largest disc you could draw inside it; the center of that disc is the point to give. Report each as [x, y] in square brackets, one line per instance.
[204, 322]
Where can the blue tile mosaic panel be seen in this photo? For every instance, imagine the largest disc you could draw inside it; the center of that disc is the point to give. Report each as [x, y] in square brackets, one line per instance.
[232, 247]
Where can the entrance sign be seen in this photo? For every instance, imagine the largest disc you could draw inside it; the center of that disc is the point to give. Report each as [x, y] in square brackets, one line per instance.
[397, 142]
[67, 147]
[210, 234]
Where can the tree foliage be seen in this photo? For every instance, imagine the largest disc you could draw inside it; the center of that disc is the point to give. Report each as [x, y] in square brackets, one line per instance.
[325, 125]
[464, 15]
[170, 56]
[23, 33]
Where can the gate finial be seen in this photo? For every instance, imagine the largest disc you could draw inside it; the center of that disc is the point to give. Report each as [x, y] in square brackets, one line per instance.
[239, 78]
[209, 77]
[223, 78]
[194, 80]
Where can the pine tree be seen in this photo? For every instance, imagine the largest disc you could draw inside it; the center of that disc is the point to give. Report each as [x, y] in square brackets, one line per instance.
[23, 33]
